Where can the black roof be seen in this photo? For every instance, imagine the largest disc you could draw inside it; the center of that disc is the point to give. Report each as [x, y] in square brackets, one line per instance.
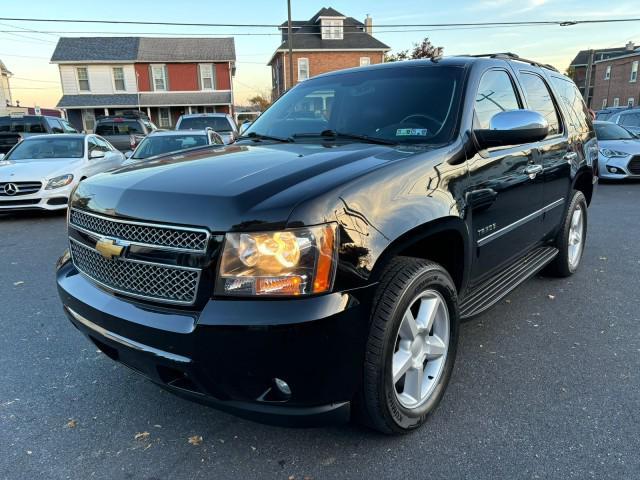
[308, 36]
[582, 58]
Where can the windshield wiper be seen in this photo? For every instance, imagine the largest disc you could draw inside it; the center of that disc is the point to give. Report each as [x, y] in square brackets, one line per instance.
[352, 136]
[259, 136]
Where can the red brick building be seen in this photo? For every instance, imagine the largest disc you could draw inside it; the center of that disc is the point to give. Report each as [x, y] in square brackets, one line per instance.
[616, 81]
[326, 42]
[164, 77]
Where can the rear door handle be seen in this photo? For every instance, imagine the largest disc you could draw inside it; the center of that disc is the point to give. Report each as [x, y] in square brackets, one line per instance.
[533, 170]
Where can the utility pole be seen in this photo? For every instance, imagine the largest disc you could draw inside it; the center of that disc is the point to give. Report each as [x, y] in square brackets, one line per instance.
[587, 79]
[290, 41]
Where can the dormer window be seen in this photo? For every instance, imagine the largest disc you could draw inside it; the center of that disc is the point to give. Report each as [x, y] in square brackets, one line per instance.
[332, 29]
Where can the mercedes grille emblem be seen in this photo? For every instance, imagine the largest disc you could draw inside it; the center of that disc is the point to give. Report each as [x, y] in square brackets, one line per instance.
[10, 189]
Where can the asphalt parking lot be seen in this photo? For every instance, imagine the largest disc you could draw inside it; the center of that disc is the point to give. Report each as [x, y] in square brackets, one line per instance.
[547, 385]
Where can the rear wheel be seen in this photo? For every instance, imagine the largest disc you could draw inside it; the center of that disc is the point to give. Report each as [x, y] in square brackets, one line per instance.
[571, 238]
[411, 347]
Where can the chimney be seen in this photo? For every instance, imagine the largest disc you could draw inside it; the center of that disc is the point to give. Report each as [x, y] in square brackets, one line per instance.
[368, 25]
[17, 103]
[630, 46]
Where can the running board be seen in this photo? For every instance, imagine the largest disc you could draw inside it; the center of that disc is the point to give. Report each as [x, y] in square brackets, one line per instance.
[490, 291]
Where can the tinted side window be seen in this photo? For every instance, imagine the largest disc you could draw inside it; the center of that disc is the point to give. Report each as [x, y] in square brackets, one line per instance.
[630, 120]
[105, 128]
[574, 104]
[495, 95]
[55, 125]
[67, 128]
[539, 100]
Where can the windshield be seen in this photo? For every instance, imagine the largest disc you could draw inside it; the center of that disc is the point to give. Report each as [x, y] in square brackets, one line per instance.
[158, 145]
[37, 148]
[410, 104]
[219, 124]
[26, 124]
[611, 131]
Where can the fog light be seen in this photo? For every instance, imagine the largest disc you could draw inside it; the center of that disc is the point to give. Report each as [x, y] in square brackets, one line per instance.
[615, 170]
[283, 387]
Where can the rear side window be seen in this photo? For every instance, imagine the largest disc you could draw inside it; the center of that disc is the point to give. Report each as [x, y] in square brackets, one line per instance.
[539, 100]
[495, 95]
[26, 124]
[55, 125]
[574, 104]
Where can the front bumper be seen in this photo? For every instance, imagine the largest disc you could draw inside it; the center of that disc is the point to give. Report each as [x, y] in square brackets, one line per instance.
[56, 199]
[229, 353]
[621, 164]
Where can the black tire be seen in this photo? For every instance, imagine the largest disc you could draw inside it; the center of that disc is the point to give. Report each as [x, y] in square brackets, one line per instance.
[561, 266]
[377, 405]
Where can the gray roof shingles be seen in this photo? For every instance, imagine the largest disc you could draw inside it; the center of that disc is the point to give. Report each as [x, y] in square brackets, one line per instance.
[146, 99]
[143, 49]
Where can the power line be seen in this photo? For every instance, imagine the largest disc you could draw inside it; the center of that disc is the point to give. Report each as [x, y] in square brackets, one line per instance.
[269, 25]
[34, 80]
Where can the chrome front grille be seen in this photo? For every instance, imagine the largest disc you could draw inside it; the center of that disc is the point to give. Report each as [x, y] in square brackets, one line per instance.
[20, 188]
[156, 262]
[135, 278]
[180, 238]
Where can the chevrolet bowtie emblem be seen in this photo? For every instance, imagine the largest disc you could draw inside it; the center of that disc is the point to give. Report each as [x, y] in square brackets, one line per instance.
[109, 248]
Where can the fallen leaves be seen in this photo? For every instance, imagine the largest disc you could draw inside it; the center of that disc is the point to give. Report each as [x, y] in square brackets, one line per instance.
[72, 423]
[195, 439]
[551, 297]
[20, 282]
[141, 436]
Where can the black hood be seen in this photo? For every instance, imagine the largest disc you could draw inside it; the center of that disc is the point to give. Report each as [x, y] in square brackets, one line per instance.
[235, 187]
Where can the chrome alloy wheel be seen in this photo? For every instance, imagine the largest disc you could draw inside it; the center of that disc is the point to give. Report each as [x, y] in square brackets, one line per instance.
[421, 349]
[576, 237]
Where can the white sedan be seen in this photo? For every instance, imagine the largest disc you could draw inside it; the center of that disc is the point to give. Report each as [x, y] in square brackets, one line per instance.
[41, 171]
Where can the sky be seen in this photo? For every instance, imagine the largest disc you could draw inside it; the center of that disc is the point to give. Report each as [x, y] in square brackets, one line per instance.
[36, 82]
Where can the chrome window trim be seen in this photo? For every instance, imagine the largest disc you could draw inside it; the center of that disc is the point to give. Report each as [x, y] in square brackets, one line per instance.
[137, 295]
[518, 223]
[142, 224]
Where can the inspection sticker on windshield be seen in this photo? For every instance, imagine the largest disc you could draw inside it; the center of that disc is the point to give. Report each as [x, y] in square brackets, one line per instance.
[412, 132]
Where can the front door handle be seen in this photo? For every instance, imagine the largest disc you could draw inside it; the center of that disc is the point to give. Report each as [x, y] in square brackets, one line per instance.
[533, 170]
[571, 157]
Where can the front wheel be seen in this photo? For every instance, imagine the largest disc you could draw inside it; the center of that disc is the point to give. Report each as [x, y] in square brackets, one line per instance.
[571, 238]
[411, 347]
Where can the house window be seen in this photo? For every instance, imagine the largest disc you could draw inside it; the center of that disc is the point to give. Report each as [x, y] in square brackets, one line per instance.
[332, 29]
[159, 74]
[607, 72]
[616, 102]
[303, 69]
[207, 78]
[118, 79]
[630, 102]
[364, 61]
[83, 79]
[634, 72]
[165, 118]
[604, 103]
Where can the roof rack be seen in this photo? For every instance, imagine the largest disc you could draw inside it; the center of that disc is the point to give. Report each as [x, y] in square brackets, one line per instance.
[513, 56]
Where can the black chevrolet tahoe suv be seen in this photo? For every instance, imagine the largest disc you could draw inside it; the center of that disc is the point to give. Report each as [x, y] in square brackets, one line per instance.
[320, 266]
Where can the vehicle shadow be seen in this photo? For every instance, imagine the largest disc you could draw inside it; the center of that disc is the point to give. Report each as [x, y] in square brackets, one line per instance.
[32, 214]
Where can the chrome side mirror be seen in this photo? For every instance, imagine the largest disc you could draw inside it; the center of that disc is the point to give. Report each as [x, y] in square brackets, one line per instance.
[514, 127]
[1, 156]
[244, 127]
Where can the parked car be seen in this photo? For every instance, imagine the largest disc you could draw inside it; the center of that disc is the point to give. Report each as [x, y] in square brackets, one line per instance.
[165, 142]
[126, 131]
[221, 123]
[321, 265]
[41, 171]
[606, 113]
[629, 119]
[14, 128]
[619, 152]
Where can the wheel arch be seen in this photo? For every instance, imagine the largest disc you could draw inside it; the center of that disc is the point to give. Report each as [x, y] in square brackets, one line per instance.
[444, 241]
[583, 182]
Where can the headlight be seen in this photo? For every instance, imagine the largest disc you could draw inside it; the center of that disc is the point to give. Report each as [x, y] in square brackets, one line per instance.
[61, 181]
[287, 263]
[612, 153]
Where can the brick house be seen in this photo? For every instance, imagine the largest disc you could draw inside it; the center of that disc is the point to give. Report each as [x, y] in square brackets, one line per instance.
[164, 77]
[326, 42]
[616, 81]
[580, 64]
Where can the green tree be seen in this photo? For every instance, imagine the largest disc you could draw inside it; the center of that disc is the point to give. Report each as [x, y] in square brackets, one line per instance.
[423, 49]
